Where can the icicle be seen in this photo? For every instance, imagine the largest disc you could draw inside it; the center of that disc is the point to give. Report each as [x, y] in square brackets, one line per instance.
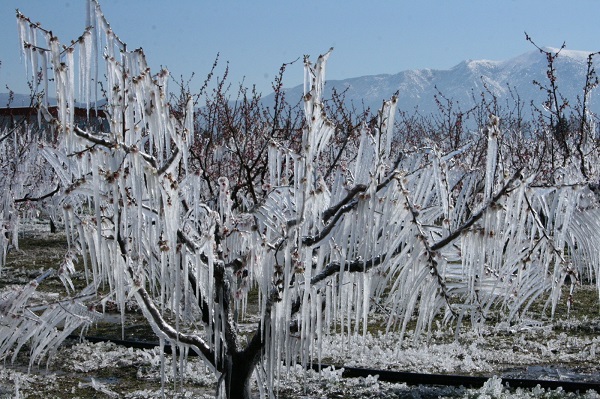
[70, 88]
[44, 69]
[85, 67]
[441, 185]
[365, 160]
[34, 53]
[24, 39]
[490, 169]
[386, 118]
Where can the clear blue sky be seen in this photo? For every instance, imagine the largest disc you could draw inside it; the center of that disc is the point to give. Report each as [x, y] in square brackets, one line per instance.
[256, 37]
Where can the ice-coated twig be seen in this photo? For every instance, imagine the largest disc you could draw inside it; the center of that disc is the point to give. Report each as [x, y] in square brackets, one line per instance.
[506, 188]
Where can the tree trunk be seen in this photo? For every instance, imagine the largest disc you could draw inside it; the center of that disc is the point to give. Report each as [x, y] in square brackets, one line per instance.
[237, 376]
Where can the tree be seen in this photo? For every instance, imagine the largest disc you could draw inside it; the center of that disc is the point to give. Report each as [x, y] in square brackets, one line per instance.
[424, 234]
[566, 142]
[27, 182]
[232, 136]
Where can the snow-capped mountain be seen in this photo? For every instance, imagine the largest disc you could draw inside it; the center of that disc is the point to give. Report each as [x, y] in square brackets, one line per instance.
[465, 82]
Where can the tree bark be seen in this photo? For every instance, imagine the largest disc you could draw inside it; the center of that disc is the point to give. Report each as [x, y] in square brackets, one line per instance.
[240, 367]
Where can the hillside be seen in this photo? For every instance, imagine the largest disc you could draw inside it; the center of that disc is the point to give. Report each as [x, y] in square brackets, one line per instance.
[465, 82]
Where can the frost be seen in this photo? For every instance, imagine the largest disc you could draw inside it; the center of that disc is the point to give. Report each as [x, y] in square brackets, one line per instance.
[100, 387]
[492, 388]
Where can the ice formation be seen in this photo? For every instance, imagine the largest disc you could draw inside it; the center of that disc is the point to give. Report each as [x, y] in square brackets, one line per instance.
[420, 234]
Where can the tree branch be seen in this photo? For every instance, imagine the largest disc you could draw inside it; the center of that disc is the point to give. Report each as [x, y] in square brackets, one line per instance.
[128, 149]
[171, 333]
[310, 240]
[452, 236]
[351, 194]
[27, 198]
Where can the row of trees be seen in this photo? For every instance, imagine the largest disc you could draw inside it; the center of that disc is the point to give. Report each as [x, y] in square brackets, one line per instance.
[187, 210]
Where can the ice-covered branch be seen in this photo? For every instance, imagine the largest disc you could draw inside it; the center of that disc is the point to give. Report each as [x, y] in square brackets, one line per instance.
[506, 188]
[543, 229]
[129, 149]
[431, 255]
[351, 194]
[167, 330]
[27, 198]
[168, 163]
[357, 265]
[94, 139]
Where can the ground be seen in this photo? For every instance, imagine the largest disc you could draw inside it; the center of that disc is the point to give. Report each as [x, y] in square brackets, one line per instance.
[565, 348]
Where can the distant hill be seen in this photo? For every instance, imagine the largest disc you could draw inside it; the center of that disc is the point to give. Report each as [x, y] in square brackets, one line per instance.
[465, 80]
[19, 100]
[24, 100]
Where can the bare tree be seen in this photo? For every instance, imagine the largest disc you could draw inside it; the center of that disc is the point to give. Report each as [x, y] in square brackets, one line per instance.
[567, 136]
[232, 135]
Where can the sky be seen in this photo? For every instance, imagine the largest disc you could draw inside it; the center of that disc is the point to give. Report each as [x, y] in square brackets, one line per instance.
[257, 37]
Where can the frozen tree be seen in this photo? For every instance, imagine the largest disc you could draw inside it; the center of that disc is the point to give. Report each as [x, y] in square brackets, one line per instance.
[24, 180]
[423, 234]
[232, 136]
[27, 188]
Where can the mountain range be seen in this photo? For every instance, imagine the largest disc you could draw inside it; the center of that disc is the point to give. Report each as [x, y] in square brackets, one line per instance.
[465, 82]
[18, 100]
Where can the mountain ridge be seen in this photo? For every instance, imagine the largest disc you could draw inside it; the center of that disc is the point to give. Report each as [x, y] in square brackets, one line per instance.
[464, 83]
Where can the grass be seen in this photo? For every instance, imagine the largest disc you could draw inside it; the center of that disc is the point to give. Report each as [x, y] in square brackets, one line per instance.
[34, 256]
